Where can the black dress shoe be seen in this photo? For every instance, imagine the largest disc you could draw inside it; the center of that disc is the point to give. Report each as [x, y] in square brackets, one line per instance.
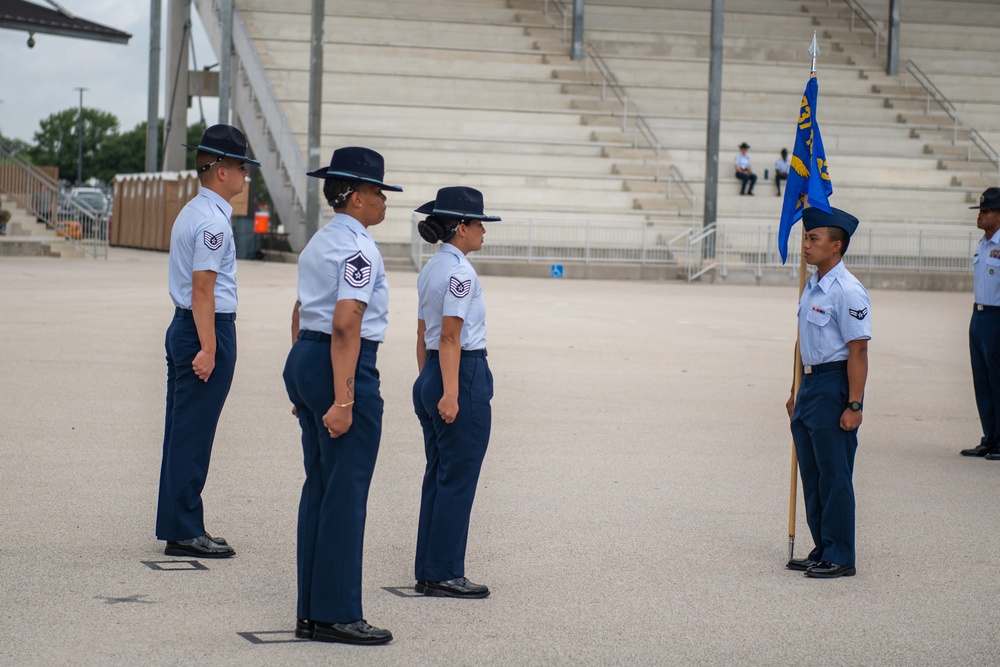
[420, 586]
[993, 455]
[826, 570]
[358, 632]
[800, 564]
[981, 450]
[455, 588]
[217, 540]
[304, 629]
[200, 547]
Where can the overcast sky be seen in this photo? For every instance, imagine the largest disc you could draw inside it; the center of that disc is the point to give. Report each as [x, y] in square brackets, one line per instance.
[40, 81]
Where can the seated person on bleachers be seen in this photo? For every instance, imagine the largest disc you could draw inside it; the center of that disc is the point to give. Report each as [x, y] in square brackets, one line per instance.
[744, 169]
[4, 219]
[781, 167]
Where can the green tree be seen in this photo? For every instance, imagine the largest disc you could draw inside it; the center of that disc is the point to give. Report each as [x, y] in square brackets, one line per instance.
[14, 146]
[58, 137]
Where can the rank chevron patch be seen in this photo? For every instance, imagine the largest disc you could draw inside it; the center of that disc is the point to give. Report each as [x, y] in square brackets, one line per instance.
[858, 314]
[459, 288]
[358, 270]
[214, 242]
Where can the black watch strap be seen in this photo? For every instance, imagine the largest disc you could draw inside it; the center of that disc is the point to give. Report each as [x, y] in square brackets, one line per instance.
[855, 405]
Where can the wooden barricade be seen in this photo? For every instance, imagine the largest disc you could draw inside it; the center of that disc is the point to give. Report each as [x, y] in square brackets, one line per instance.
[146, 205]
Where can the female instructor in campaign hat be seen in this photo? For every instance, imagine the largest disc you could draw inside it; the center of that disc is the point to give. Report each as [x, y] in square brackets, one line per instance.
[452, 393]
[338, 322]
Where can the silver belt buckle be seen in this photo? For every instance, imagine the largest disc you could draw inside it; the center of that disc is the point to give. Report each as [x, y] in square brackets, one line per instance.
[807, 369]
[979, 307]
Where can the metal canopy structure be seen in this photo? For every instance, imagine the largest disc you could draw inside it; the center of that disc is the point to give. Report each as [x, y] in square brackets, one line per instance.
[32, 18]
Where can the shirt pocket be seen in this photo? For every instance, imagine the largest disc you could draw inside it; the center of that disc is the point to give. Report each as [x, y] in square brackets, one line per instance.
[820, 319]
[992, 267]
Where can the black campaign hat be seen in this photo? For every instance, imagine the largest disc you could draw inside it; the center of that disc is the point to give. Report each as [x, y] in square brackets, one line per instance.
[990, 199]
[458, 202]
[744, 145]
[354, 163]
[224, 140]
[813, 217]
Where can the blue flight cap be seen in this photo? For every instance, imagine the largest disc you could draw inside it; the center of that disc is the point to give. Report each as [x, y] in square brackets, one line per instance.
[814, 217]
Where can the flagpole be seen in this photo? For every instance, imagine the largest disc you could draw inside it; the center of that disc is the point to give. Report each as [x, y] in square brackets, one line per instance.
[793, 484]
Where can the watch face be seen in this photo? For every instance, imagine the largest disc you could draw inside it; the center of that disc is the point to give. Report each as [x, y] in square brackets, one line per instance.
[854, 405]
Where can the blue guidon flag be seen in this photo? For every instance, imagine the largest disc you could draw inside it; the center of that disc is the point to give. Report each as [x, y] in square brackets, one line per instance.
[358, 270]
[808, 179]
[460, 288]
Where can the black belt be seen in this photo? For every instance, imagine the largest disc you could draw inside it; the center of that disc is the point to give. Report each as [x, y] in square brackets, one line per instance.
[810, 369]
[186, 314]
[980, 308]
[431, 354]
[305, 334]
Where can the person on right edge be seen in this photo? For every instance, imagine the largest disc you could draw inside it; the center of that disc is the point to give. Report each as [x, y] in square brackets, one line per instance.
[984, 330]
[834, 330]
[452, 393]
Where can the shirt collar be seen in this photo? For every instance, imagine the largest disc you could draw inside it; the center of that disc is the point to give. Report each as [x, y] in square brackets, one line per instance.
[448, 247]
[352, 223]
[831, 277]
[995, 238]
[217, 199]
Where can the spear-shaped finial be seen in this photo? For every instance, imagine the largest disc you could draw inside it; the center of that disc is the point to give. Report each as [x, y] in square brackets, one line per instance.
[814, 51]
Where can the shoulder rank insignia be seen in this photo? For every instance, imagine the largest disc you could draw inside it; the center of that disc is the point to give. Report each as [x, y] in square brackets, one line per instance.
[458, 287]
[858, 314]
[214, 242]
[358, 270]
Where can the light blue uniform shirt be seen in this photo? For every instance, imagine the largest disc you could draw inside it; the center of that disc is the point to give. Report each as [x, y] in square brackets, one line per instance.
[341, 261]
[448, 285]
[202, 240]
[832, 312]
[986, 271]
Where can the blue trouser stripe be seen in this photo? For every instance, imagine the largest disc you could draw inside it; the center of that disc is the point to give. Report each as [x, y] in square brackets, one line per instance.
[455, 454]
[333, 506]
[826, 462]
[192, 415]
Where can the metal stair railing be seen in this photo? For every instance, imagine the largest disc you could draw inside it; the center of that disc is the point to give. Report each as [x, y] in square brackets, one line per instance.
[934, 93]
[858, 11]
[264, 122]
[640, 128]
[41, 195]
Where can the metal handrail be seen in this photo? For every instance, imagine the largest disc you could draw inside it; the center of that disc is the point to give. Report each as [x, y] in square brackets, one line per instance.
[674, 176]
[41, 195]
[866, 18]
[984, 146]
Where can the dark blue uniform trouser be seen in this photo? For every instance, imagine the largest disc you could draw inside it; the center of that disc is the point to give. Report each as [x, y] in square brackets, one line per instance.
[984, 349]
[193, 409]
[455, 454]
[747, 179]
[826, 463]
[333, 507]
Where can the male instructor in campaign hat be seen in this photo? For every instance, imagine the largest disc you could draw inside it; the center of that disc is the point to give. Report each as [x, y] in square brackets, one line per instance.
[200, 342]
[984, 330]
[834, 329]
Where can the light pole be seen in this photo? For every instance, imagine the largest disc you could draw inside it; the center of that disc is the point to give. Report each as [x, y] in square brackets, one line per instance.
[79, 155]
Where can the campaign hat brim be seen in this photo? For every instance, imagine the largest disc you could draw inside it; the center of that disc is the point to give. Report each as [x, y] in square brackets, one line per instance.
[216, 151]
[325, 172]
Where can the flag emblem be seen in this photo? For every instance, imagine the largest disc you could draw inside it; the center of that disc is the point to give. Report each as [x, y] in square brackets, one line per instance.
[358, 270]
[808, 179]
[858, 314]
[214, 242]
[459, 288]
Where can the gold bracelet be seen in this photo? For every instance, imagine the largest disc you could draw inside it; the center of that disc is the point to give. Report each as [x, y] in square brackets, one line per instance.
[343, 405]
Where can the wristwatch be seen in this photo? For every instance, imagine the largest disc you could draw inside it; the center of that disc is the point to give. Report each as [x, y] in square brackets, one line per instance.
[855, 405]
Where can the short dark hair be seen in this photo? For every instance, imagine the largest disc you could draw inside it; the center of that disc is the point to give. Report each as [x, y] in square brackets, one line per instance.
[839, 234]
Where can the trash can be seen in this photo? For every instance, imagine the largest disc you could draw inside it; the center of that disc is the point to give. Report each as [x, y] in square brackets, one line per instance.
[247, 243]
